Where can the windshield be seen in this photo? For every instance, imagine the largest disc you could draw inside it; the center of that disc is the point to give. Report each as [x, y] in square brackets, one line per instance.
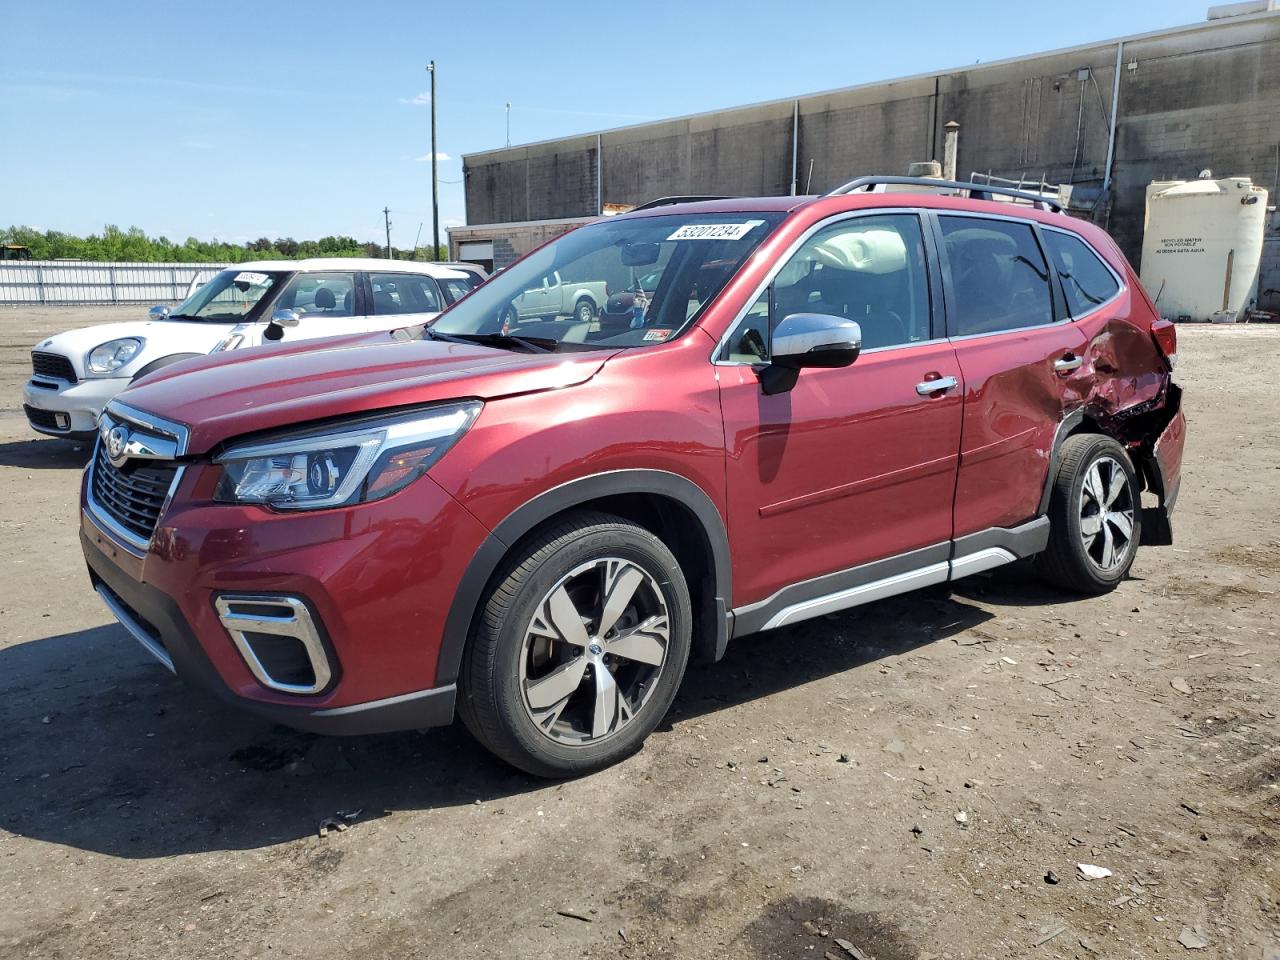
[613, 283]
[230, 296]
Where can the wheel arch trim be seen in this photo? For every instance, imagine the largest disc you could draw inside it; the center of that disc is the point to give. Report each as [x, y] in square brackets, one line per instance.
[469, 593]
[1066, 427]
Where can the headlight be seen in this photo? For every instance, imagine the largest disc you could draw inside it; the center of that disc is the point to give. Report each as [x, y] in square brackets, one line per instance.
[111, 356]
[367, 460]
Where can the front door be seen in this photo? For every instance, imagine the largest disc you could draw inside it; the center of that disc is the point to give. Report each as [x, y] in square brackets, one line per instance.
[851, 465]
[327, 305]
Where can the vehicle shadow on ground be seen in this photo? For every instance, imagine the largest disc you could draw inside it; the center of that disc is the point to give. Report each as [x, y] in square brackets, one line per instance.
[50, 454]
[107, 752]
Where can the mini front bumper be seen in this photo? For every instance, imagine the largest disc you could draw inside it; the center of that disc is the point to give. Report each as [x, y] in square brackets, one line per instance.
[81, 403]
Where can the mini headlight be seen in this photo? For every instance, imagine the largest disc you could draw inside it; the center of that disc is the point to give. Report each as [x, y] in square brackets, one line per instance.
[111, 356]
[367, 460]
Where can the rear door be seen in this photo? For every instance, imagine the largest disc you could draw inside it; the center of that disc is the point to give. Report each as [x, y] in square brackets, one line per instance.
[1021, 356]
[851, 465]
[402, 299]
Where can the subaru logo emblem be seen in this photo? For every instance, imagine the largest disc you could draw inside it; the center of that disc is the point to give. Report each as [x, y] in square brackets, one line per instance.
[116, 440]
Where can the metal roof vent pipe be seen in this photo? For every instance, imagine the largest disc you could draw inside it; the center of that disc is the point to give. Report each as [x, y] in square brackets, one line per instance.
[950, 148]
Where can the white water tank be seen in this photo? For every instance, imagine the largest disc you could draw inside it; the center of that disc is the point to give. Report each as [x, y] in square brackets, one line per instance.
[1201, 246]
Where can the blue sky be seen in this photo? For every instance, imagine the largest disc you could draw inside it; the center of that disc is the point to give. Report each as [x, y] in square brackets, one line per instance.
[239, 120]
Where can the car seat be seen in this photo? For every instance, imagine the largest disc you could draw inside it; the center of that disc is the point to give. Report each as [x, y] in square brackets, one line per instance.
[324, 299]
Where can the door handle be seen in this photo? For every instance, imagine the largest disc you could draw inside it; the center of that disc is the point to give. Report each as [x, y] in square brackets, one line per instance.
[1067, 362]
[930, 387]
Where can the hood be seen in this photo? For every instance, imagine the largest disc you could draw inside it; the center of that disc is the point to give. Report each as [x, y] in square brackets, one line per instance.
[199, 337]
[244, 391]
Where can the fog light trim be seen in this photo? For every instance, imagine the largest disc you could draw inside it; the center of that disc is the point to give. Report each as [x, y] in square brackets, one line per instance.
[280, 616]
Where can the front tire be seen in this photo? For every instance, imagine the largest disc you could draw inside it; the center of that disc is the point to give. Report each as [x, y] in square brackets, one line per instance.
[1095, 517]
[579, 649]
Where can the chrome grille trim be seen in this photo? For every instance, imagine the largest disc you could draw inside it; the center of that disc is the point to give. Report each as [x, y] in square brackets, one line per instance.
[102, 517]
[158, 425]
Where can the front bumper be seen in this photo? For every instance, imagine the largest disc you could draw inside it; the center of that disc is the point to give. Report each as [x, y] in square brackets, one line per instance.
[377, 579]
[79, 403]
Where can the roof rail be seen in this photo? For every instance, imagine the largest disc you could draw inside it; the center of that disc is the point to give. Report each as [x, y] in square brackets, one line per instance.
[977, 191]
[669, 201]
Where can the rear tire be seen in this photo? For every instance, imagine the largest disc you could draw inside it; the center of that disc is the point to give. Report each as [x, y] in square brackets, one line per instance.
[556, 679]
[1095, 517]
[584, 311]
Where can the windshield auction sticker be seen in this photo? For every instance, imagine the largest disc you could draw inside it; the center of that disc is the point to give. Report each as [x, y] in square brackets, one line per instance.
[715, 231]
[251, 278]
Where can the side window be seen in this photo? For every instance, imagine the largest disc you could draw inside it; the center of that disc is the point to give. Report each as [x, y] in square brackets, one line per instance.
[869, 269]
[403, 293]
[750, 340]
[1085, 279]
[320, 294]
[999, 278]
[455, 290]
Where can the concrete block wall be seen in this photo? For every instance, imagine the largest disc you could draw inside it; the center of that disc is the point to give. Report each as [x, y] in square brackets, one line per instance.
[1193, 98]
[1269, 269]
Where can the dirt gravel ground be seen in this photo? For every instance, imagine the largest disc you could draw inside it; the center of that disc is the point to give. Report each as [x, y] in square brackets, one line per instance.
[902, 777]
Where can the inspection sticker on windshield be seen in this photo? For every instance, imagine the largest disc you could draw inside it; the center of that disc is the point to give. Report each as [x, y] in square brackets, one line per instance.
[656, 334]
[251, 278]
[715, 231]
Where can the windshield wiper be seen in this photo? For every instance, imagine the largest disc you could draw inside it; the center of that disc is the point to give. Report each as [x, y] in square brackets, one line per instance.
[500, 340]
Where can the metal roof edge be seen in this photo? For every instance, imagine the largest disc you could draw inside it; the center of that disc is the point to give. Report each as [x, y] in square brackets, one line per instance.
[970, 68]
[518, 223]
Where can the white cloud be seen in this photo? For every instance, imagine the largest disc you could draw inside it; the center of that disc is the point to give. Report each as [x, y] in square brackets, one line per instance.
[419, 100]
[426, 157]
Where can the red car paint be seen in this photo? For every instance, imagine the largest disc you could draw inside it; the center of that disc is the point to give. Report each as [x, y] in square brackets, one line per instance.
[850, 466]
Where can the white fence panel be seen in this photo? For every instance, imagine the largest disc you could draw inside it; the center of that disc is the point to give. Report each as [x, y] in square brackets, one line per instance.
[74, 281]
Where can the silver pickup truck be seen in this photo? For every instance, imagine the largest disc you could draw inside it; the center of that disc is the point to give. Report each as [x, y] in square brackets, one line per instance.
[557, 297]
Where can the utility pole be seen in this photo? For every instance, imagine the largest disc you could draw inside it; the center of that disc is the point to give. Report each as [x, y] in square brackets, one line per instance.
[508, 124]
[435, 180]
[386, 215]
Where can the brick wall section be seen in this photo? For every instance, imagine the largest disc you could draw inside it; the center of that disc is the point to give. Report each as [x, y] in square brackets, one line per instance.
[510, 241]
[1205, 98]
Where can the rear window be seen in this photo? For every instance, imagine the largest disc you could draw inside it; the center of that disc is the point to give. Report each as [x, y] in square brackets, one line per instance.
[1085, 278]
[999, 278]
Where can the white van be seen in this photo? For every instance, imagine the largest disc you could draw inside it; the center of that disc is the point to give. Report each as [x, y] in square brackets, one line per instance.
[75, 373]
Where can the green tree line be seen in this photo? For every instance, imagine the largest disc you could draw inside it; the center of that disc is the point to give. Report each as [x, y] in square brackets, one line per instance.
[135, 246]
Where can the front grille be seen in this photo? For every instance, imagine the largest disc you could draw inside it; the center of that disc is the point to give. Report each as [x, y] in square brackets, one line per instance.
[44, 419]
[132, 495]
[53, 365]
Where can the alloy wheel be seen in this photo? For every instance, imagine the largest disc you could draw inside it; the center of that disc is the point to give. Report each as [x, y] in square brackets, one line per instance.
[593, 651]
[1106, 514]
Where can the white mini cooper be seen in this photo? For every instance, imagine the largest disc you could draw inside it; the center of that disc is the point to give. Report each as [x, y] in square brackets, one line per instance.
[75, 373]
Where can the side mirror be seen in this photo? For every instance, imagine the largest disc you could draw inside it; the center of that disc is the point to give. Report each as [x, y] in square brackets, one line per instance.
[159, 313]
[279, 320]
[809, 340]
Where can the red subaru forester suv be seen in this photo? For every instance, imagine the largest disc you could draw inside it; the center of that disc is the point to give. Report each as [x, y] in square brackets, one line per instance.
[787, 406]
